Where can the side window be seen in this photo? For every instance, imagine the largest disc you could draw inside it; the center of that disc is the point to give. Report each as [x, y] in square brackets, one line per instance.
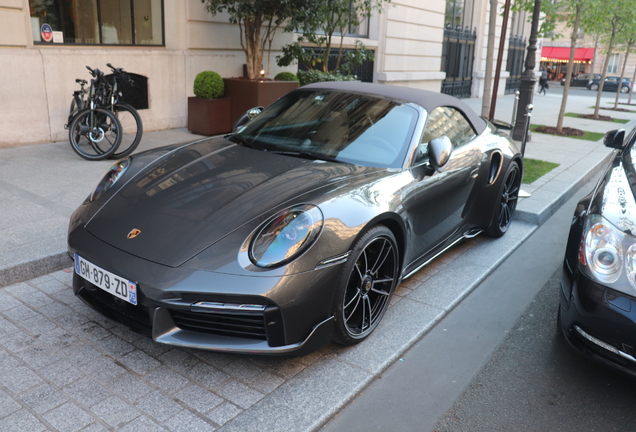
[445, 121]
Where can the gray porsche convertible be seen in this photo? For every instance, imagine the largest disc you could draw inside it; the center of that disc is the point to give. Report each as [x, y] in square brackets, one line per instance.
[294, 230]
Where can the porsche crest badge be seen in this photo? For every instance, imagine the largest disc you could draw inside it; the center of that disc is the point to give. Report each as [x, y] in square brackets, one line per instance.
[134, 233]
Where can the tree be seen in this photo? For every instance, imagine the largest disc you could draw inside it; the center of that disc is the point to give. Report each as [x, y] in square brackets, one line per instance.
[568, 74]
[325, 20]
[258, 21]
[609, 21]
[492, 26]
[630, 43]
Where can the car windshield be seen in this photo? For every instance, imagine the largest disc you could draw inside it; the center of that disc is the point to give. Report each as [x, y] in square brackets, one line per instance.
[336, 126]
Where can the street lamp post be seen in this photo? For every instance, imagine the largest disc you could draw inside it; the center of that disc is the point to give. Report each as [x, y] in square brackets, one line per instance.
[528, 81]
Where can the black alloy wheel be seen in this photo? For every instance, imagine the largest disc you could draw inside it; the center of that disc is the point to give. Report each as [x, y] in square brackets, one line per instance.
[507, 202]
[366, 286]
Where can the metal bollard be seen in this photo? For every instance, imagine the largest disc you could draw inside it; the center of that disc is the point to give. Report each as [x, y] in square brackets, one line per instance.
[514, 109]
[529, 109]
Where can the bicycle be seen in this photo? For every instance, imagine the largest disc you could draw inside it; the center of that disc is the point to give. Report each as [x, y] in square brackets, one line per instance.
[79, 101]
[126, 114]
[95, 133]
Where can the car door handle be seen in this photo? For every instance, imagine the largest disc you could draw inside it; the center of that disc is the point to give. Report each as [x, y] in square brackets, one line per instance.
[474, 173]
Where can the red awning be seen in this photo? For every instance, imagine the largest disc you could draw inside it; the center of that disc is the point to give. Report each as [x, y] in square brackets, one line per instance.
[561, 53]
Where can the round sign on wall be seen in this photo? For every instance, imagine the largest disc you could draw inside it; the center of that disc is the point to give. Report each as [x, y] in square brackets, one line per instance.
[47, 33]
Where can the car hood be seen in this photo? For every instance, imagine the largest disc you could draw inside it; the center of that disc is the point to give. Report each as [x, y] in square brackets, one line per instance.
[190, 199]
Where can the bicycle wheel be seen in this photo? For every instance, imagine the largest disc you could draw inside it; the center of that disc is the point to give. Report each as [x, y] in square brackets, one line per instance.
[95, 134]
[132, 128]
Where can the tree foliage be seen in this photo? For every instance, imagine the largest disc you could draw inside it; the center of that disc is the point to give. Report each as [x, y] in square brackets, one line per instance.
[614, 21]
[258, 21]
[327, 20]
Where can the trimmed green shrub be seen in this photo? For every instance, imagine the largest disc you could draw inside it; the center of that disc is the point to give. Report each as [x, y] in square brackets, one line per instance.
[314, 76]
[209, 85]
[286, 76]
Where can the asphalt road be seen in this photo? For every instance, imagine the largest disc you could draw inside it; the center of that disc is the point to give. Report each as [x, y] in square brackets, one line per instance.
[536, 382]
[496, 362]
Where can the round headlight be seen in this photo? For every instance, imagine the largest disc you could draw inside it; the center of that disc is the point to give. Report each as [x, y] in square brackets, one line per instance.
[286, 235]
[110, 177]
[603, 252]
[630, 264]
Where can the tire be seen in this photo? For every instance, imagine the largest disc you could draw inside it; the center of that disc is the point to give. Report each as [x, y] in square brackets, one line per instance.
[624, 89]
[72, 112]
[95, 141]
[366, 285]
[506, 202]
[132, 128]
[594, 87]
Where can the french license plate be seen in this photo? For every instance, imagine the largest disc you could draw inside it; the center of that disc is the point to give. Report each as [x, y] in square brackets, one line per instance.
[109, 282]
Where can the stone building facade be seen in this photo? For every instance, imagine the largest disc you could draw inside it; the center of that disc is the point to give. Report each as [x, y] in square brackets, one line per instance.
[172, 40]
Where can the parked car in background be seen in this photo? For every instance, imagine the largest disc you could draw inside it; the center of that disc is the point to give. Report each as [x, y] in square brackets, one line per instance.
[581, 80]
[597, 312]
[611, 84]
[296, 229]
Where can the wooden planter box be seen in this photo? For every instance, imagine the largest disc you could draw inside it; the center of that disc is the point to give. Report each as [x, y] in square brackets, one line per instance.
[209, 116]
[248, 94]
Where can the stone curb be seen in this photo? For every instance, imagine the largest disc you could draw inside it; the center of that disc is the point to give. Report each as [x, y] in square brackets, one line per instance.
[539, 217]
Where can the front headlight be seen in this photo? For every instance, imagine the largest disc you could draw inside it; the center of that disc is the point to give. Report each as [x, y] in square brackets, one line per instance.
[605, 252]
[110, 177]
[286, 235]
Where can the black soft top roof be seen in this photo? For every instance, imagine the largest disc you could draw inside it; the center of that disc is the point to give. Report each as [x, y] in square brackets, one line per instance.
[427, 99]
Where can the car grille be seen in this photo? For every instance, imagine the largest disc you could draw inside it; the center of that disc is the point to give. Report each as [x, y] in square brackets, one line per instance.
[247, 325]
[137, 318]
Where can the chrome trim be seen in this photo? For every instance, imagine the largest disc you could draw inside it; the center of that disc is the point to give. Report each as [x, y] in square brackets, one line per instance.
[604, 345]
[225, 306]
[418, 132]
[204, 306]
[501, 163]
[472, 233]
[337, 259]
[467, 235]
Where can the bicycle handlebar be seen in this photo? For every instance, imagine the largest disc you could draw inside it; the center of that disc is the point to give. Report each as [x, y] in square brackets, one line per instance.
[96, 73]
[121, 73]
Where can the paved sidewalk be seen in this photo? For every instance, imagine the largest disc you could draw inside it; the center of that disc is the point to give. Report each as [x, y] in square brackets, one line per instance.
[65, 367]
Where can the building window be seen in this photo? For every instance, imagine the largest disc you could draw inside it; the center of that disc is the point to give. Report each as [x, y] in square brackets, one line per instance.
[459, 13]
[612, 66]
[97, 22]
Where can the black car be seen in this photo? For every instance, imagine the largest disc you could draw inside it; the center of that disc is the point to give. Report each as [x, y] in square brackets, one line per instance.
[296, 229]
[581, 80]
[610, 84]
[597, 311]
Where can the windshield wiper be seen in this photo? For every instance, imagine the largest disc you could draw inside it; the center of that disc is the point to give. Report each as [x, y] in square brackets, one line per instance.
[306, 155]
[243, 141]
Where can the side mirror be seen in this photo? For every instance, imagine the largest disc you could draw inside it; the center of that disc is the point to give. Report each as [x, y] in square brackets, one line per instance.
[246, 117]
[614, 139]
[439, 151]
[500, 124]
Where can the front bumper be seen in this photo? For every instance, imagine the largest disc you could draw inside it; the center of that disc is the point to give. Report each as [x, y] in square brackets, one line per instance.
[598, 321]
[281, 315]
